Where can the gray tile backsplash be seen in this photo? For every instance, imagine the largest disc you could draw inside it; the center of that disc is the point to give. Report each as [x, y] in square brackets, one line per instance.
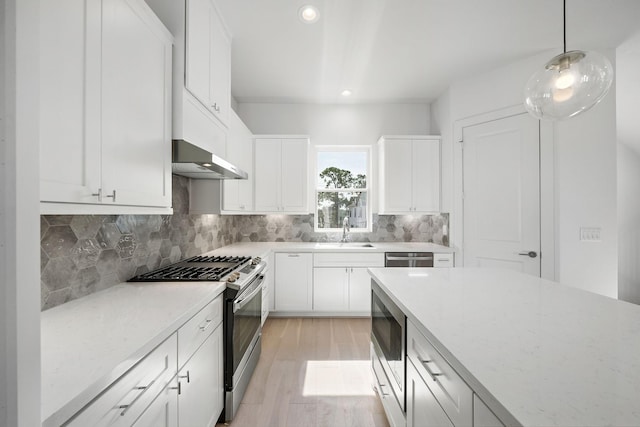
[82, 254]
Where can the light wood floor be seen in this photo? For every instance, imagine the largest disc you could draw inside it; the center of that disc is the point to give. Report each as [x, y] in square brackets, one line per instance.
[312, 373]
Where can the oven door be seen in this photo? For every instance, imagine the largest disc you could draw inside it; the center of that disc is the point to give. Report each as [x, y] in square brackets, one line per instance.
[246, 324]
[388, 325]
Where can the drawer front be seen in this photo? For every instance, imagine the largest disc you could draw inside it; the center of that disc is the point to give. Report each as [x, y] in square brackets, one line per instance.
[348, 259]
[193, 333]
[130, 395]
[392, 409]
[453, 394]
[443, 260]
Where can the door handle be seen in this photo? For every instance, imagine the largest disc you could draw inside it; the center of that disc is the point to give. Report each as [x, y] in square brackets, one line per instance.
[530, 254]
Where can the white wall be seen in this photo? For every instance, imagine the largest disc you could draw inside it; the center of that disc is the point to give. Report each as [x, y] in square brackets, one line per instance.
[627, 72]
[344, 124]
[19, 215]
[584, 168]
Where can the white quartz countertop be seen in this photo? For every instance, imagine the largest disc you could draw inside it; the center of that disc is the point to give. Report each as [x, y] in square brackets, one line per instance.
[90, 342]
[537, 352]
[256, 248]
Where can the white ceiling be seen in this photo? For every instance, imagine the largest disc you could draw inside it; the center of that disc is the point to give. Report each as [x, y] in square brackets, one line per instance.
[401, 50]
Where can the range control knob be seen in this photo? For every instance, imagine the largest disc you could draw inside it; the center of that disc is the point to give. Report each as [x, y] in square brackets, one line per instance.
[231, 279]
[256, 260]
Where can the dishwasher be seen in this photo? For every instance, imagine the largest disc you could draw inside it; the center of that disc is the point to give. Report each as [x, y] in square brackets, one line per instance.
[408, 259]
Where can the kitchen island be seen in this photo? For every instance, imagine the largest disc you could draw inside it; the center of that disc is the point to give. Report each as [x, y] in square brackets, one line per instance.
[537, 353]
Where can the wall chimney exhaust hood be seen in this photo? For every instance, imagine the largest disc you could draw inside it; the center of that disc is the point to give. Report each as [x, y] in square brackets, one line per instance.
[194, 162]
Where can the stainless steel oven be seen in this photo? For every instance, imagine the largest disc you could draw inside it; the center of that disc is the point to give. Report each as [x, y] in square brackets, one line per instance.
[388, 335]
[243, 341]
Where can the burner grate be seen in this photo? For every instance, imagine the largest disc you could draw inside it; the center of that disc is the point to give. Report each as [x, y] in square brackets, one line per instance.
[189, 270]
[232, 259]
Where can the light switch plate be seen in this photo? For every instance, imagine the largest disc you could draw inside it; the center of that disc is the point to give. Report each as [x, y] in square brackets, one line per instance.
[590, 234]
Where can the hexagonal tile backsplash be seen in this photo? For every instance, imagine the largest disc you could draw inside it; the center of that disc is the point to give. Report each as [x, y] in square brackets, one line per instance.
[82, 254]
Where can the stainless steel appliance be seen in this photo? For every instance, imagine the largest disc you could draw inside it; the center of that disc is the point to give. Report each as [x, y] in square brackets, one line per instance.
[388, 335]
[408, 259]
[242, 313]
[194, 162]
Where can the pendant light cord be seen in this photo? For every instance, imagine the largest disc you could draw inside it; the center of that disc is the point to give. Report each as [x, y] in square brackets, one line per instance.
[564, 24]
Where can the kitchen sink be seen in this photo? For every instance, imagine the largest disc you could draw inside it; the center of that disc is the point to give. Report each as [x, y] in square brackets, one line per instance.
[346, 245]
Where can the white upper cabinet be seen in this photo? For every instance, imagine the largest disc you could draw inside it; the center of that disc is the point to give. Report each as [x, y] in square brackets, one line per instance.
[280, 174]
[409, 177]
[201, 70]
[208, 58]
[105, 107]
[238, 193]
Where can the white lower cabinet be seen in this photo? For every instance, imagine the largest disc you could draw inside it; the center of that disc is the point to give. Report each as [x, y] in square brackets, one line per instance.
[128, 398]
[200, 374]
[293, 282]
[341, 283]
[423, 410]
[201, 384]
[163, 412]
[449, 390]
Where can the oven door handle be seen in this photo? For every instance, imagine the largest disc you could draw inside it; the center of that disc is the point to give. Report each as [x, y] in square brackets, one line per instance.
[407, 258]
[237, 305]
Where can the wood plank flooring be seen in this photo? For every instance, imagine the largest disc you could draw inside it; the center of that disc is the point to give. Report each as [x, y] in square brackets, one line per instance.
[313, 372]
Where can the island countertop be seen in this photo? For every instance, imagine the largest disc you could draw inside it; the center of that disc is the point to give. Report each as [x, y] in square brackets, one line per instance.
[537, 352]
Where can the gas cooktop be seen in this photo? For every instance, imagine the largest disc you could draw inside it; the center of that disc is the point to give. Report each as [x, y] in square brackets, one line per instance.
[198, 268]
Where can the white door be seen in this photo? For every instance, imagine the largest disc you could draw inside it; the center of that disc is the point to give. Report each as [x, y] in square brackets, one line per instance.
[398, 176]
[293, 181]
[501, 194]
[267, 175]
[198, 50]
[359, 290]
[426, 175]
[331, 289]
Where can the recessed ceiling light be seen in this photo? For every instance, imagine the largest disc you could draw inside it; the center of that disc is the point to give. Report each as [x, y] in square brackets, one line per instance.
[308, 14]
[346, 92]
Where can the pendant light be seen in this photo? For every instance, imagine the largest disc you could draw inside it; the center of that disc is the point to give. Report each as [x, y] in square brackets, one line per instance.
[569, 83]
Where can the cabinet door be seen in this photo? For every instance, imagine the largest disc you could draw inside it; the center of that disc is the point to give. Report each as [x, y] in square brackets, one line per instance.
[267, 175]
[423, 409]
[198, 49]
[397, 176]
[70, 100]
[220, 70]
[294, 177]
[136, 90]
[202, 384]
[238, 194]
[359, 290]
[331, 289]
[293, 282]
[426, 175]
[163, 412]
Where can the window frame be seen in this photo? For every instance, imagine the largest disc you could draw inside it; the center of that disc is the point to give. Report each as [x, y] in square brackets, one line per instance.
[343, 148]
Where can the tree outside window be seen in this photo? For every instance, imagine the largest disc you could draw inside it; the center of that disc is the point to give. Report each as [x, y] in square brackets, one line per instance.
[342, 188]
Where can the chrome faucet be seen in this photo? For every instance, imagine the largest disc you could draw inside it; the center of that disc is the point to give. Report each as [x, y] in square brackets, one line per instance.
[345, 229]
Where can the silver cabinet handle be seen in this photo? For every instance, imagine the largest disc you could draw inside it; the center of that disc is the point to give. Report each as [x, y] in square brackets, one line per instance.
[187, 377]
[142, 389]
[293, 255]
[179, 388]
[98, 194]
[204, 327]
[113, 196]
[530, 254]
[432, 374]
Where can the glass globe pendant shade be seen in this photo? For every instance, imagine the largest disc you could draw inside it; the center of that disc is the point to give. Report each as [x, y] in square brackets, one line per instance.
[568, 85]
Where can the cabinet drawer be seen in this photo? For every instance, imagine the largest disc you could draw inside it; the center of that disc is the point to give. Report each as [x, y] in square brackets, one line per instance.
[453, 394]
[392, 409]
[193, 333]
[342, 259]
[130, 395]
[443, 260]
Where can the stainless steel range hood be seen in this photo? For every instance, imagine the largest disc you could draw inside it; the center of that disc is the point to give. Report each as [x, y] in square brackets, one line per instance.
[194, 162]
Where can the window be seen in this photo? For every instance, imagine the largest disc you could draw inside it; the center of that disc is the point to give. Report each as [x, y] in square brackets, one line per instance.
[342, 188]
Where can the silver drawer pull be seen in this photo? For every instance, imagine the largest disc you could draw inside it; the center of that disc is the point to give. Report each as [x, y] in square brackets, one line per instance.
[432, 374]
[142, 389]
[187, 377]
[205, 326]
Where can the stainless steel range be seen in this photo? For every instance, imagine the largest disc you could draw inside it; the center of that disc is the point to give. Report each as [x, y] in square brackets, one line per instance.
[242, 313]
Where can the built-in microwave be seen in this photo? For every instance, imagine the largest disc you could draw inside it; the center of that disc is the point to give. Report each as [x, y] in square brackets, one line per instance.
[388, 335]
